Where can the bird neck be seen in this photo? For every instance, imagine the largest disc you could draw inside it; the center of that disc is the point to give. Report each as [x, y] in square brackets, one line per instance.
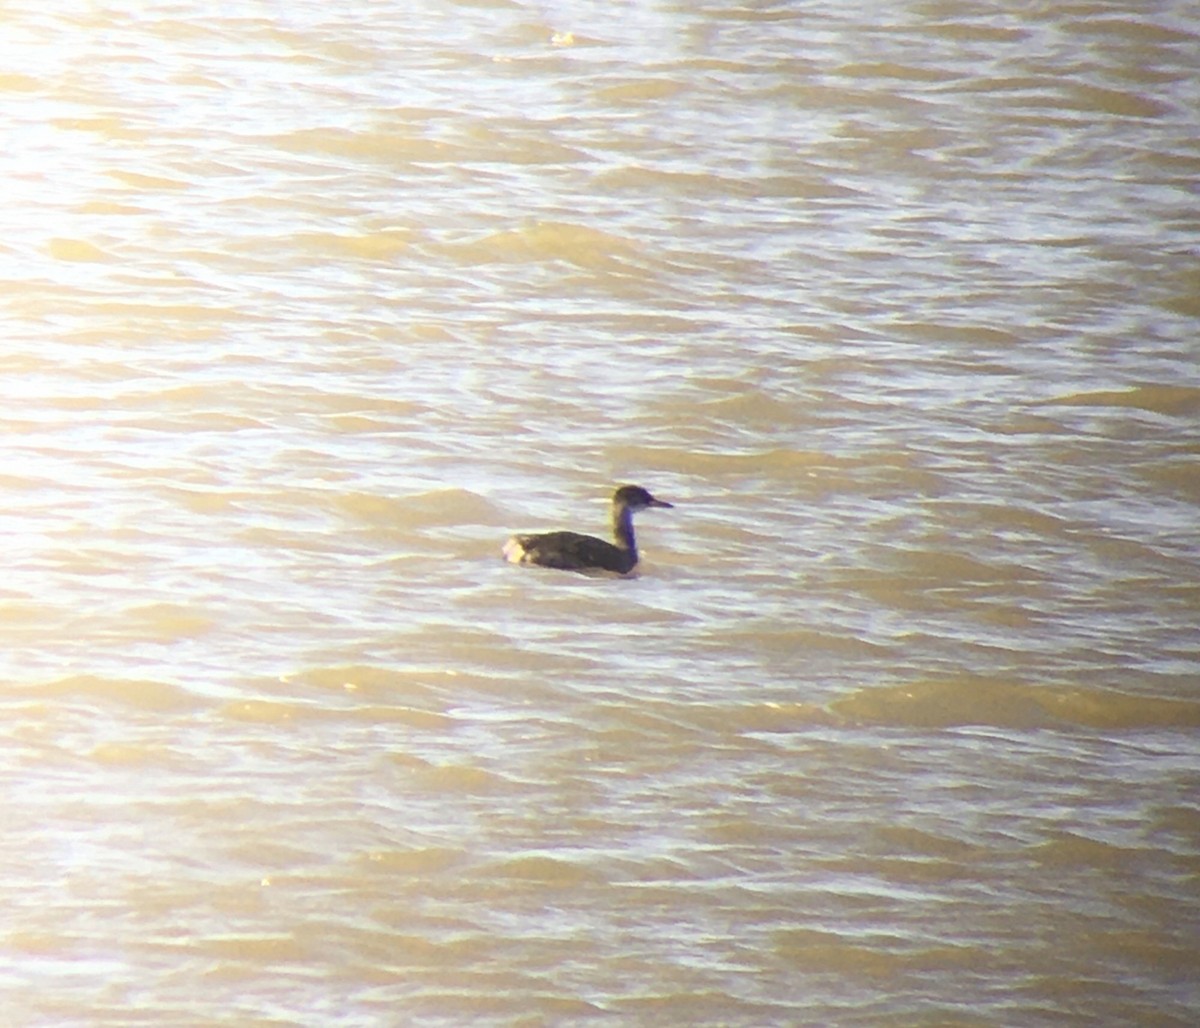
[622, 519]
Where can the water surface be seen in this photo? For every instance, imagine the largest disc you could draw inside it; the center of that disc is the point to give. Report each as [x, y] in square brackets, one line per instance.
[305, 309]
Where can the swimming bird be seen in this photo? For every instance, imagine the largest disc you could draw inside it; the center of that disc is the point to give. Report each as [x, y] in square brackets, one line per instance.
[571, 551]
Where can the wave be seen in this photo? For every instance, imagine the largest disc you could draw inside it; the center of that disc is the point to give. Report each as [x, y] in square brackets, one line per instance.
[1172, 400]
[1000, 703]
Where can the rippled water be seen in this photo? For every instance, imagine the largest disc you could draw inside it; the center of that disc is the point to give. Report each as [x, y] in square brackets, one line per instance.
[306, 307]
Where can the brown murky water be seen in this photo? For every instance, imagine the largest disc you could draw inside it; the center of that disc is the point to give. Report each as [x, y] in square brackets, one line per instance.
[307, 306]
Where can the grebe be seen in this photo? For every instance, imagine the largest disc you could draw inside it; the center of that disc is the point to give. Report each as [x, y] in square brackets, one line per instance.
[570, 551]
